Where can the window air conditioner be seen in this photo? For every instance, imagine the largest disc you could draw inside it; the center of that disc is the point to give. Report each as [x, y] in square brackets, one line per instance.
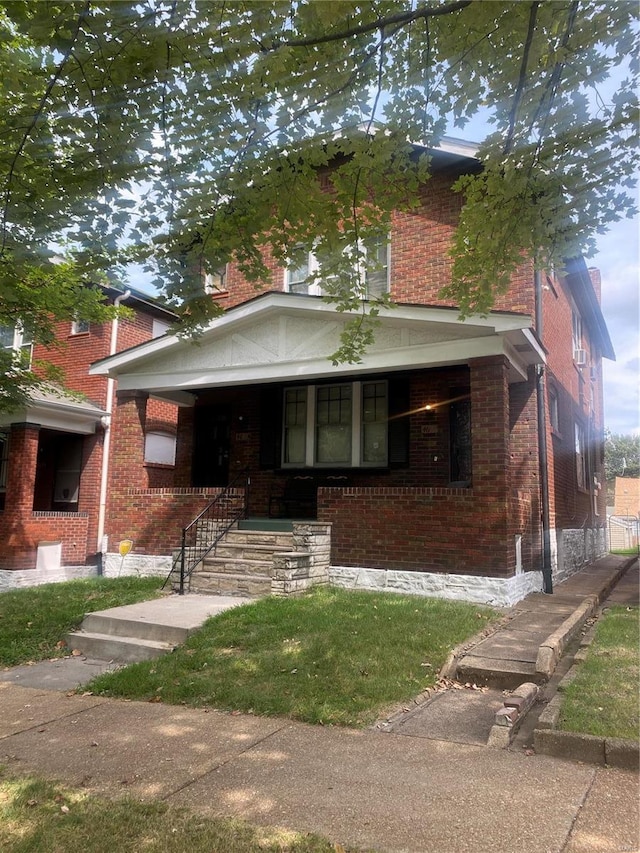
[580, 357]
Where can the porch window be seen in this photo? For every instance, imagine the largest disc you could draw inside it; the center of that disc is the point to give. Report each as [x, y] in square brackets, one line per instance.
[341, 425]
[160, 448]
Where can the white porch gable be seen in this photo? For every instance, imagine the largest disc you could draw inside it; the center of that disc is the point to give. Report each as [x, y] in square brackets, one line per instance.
[287, 337]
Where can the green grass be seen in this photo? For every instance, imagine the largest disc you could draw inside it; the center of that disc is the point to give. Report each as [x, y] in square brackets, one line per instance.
[33, 620]
[329, 657]
[37, 816]
[603, 698]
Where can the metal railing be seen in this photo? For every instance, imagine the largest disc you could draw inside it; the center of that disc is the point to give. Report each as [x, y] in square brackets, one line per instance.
[202, 535]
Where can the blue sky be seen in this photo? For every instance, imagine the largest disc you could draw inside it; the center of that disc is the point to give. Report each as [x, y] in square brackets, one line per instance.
[618, 260]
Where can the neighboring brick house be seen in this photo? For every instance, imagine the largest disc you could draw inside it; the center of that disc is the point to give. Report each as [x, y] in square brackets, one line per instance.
[54, 476]
[425, 458]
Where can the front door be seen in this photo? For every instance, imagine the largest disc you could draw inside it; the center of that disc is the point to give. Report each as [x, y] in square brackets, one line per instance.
[212, 426]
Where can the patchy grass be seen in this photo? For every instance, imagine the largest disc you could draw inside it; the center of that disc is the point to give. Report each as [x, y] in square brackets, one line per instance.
[603, 698]
[36, 816]
[33, 620]
[330, 657]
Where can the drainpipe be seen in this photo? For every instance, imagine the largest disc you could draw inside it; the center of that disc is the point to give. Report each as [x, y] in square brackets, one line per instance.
[543, 455]
[106, 444]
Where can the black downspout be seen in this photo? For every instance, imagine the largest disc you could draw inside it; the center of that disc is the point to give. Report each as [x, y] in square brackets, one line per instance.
[543, 455]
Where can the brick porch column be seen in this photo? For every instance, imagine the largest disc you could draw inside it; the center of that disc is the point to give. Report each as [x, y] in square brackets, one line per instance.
[490, 426]
[127, 444]
[21, 468]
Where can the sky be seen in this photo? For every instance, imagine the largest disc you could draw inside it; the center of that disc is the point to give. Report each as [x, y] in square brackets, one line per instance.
[618, 260]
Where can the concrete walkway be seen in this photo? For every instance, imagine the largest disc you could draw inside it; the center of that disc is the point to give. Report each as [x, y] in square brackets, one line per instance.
[385, 791]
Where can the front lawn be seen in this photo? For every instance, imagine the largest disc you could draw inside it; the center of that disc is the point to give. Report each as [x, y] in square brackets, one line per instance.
[37, 816]
[34, 620]
[332, 656]
[603, 697]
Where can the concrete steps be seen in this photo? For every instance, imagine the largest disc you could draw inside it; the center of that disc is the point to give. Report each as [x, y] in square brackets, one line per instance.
[108, 637]
[142, 631]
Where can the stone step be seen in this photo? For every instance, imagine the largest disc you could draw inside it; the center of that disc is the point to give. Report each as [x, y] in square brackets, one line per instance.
[278, 539]
[118, 648]
[226, 583]
[246, 551]
[118, 626]
[234, 566]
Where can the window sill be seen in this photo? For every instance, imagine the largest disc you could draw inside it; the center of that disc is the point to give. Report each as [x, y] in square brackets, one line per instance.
[163, 465]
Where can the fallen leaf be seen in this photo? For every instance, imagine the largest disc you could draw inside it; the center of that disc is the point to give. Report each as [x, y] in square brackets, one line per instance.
[32, 802]
[76, 653]
[64, 809]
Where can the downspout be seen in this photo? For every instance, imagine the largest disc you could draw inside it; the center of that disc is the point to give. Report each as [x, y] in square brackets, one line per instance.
[543, 454]
[106, 444]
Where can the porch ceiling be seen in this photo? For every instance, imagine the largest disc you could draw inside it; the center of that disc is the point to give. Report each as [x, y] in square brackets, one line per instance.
[287, 337]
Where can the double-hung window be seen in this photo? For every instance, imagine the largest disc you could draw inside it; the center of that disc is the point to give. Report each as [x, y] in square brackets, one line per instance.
[339, 425]
[369, 269]
[581, 456]
[19, 340]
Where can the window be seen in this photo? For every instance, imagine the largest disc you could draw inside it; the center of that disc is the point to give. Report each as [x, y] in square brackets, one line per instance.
[576, 330]
[554, 415]
[215, 282]
[581, 456]
[80, 327]
[4, 457]
[159, 328]
[160, 448]
[342, 425]
[374, 272]
[20, 341]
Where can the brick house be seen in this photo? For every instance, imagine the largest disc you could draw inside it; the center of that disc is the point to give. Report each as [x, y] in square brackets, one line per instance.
[54, 453]
[459, 458]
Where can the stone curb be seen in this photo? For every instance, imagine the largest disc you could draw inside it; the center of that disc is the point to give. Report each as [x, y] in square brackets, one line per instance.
[551, 650]
[549, 740]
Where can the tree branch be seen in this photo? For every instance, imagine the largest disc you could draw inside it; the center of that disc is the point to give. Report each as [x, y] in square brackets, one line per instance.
[522, 79]
[401, 18]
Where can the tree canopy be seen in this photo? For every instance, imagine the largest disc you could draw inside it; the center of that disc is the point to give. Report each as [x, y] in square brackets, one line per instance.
[186, 133]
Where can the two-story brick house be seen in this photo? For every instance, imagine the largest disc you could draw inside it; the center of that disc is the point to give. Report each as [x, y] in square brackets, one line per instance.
[54, 453]
[425, 458]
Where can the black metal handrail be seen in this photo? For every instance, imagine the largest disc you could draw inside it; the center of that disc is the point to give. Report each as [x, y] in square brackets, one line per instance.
[202, 534]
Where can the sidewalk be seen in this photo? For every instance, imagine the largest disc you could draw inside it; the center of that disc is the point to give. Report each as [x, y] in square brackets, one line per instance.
[385, 791]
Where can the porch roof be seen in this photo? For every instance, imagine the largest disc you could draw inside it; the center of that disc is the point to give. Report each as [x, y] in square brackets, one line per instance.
[285, 337]
[53, 408]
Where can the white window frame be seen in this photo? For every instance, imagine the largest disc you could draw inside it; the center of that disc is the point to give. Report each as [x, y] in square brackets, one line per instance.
[20, 344]
[80, 327]
[314, 288]
[357, 428]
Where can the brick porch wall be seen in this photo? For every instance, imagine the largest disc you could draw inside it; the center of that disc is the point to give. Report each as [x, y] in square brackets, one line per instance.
[22, 535]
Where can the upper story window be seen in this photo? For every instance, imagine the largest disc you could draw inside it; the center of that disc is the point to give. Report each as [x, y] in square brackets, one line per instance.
[159, 328]
[554, 410]
[215, 282]
[80, 327]
[20, 340]
[341, 425]
[371, 267]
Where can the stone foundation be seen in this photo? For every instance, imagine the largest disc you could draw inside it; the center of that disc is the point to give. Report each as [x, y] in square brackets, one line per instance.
[35, 577]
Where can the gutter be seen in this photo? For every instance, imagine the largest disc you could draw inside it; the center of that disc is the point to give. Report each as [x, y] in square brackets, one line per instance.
[106, 444]
[543, 454]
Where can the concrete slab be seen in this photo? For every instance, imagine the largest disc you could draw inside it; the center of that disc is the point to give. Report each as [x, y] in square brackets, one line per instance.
[609, 821]
[23, 709]
[458, 716]
[396, 793]
[146, 750]
[510, 644]
[59, 674]
[183, 611]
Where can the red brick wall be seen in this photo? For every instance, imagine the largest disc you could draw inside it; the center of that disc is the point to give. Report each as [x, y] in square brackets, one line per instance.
[420, 264]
